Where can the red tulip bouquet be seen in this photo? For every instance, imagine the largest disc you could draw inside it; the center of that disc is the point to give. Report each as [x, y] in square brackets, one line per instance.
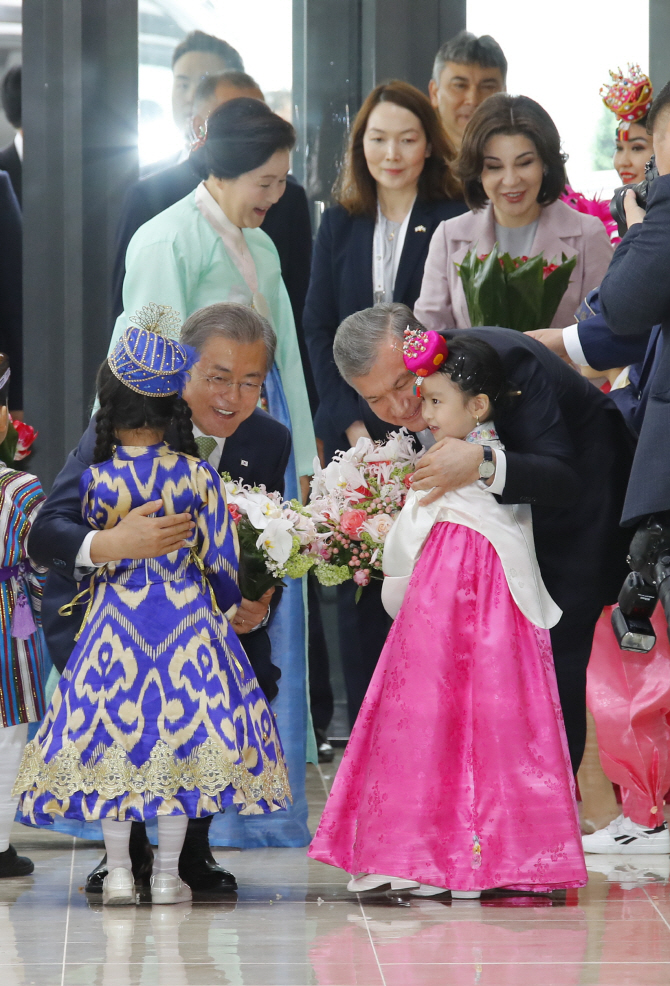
[514, 292]
[17, 444]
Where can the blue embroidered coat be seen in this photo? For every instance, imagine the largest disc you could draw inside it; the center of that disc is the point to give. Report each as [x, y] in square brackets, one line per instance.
[158, 711]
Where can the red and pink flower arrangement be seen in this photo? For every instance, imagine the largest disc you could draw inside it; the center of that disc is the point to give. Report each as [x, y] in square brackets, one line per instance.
[17, 444]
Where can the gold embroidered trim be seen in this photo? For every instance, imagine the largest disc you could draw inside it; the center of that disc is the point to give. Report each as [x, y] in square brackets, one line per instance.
[112, 774]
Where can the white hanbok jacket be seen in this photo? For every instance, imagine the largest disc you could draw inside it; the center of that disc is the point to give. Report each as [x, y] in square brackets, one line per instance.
[508, 527]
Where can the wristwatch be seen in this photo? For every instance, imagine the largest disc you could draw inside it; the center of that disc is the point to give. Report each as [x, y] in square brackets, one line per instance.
[487, 467]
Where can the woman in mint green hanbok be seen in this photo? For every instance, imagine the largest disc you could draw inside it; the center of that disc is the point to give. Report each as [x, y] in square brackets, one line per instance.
[209, 248]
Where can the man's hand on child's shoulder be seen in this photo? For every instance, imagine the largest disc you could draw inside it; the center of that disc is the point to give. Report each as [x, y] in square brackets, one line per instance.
[139, 535]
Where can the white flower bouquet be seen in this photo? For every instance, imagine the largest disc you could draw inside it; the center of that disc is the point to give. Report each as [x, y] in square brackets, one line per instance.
[341, 531]
[354, 502]
[276, 539]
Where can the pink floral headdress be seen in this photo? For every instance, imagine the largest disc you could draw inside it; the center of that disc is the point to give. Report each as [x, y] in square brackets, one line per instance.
[424, 352]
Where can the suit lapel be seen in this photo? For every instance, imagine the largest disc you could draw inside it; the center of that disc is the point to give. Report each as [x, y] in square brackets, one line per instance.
[419, 231]
[236, 457]
[360, 254]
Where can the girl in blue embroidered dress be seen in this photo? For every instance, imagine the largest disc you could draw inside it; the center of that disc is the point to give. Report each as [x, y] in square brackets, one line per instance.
[158, 713]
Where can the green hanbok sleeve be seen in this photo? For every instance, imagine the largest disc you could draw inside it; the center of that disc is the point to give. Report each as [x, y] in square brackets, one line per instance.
[290, 368]
[157, 270]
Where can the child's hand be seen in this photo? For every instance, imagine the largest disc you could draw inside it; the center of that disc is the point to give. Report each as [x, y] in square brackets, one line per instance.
[139, 535]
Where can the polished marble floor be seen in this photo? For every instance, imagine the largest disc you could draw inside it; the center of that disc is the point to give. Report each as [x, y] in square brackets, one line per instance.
[294, 924]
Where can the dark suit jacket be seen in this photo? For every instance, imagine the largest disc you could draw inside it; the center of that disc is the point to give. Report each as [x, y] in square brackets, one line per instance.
[568, 454]
[602, 348]
[287, 224]
[257, 452]
[341, 283]
[11, 163]
[11, 290]
[635, 296]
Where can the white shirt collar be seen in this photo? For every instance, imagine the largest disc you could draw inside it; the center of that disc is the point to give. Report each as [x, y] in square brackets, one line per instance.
[231, 235]
[216, 453]
[18, 144]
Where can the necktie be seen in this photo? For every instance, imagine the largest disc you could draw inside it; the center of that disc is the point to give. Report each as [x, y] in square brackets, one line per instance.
[206, 446]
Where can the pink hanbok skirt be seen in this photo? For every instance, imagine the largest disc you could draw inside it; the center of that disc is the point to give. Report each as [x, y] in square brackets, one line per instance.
[457, 771]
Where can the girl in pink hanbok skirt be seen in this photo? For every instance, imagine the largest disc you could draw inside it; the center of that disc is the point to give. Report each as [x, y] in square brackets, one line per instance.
[457, 775]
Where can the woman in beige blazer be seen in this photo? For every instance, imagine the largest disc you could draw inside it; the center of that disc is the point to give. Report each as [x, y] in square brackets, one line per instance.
[513, 172]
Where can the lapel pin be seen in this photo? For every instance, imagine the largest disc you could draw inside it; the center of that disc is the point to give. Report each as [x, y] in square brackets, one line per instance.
[243, 462]
[419, 229]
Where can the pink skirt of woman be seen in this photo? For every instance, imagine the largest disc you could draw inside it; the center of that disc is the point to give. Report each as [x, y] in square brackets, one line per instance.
[457, 772]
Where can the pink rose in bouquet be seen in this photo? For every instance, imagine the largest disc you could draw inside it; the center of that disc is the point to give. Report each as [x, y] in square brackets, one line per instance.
[352, 521]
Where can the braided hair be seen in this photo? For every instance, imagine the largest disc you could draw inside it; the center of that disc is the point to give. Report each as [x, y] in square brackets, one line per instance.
[123, 408]
[476, 368]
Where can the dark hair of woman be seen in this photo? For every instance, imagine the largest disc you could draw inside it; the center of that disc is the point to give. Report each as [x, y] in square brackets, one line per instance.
[123, 408]
[510, 115]
[4, 393]
[356, 189]
[476, 368]
[241, 135]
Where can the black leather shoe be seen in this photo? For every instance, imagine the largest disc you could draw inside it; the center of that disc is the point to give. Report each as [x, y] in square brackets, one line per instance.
[197, 866]
[202, 872]
[141, 858]
[11, 864]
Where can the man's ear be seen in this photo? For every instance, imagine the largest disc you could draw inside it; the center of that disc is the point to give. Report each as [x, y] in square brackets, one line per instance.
[432, 92]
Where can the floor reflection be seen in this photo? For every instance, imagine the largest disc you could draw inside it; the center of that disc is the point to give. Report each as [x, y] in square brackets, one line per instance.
[294, 924]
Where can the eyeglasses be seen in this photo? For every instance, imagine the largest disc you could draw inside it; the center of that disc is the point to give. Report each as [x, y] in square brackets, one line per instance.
[223, 385]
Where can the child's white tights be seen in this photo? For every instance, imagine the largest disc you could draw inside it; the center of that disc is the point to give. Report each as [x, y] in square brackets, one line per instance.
[12, 744]
[171, 835]
[117, 840]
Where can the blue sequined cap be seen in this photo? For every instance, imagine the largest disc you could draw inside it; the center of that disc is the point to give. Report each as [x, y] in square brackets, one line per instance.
[146, 360]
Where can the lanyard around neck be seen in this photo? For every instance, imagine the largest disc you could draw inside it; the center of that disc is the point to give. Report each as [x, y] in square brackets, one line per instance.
[378, 285]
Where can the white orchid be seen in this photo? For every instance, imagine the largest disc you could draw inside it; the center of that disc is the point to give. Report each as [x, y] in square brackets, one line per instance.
[261, 509]
[276, 540]
[302, 525]
[343, 476]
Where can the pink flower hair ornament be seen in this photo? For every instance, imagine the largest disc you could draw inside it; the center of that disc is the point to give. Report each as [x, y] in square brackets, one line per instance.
[424, 352]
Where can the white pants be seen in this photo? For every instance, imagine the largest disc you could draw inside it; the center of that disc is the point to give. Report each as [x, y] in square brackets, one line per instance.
[12, 744]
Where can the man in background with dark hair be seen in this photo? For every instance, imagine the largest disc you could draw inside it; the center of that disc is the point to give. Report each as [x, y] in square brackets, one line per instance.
[194, 58]
[12, 155]
[466, 70]
[198, 56]
[287, 222]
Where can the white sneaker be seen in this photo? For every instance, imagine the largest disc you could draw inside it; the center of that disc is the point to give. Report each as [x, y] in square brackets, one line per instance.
[168, 889]
[626, 837]
[118, 888]
[466, 894]
[373, 881]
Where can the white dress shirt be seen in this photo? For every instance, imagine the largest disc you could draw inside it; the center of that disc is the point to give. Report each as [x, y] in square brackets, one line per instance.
[573, 346]
[500, 475]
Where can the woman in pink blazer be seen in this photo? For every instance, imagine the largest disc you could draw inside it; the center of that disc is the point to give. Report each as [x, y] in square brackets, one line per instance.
[513, 172]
